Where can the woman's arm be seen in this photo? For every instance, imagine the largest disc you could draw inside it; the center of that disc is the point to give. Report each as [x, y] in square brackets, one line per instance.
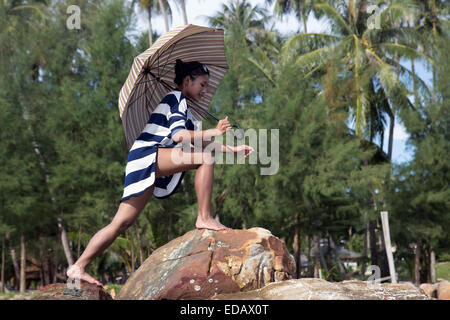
[190, 136]
[213, 146]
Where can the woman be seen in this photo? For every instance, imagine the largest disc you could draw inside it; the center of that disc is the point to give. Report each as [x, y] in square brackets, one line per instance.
[154, 166]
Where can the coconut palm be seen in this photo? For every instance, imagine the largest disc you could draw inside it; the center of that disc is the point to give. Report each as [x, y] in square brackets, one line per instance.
[302, 9]
[163, 7]
[244, 25]
[432, 19]
[159, 7]
[182, 4]
[364, 57]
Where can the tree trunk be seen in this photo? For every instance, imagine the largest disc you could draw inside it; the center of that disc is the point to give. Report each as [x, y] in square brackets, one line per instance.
[141, 254]
[425, 270]
[366, 235]
[309, 256]
[317, 257]
[22, 263]
[164, 14]
[150, 32]
[43, 164]
[130, 233]
[79, 242]
[15, 264]
[373, 243]
[417, 263]
[65, 241]
[391, 133]
[45, 268]
[2, 275]
[183, 9]
[297, 246]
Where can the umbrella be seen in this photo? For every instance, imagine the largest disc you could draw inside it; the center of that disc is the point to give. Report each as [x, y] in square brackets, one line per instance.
[151, 76]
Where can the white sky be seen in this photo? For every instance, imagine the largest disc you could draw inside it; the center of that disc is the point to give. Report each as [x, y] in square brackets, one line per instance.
[197, 9]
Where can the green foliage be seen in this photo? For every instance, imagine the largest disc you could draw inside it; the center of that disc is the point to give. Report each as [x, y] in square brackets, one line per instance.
[64, 150]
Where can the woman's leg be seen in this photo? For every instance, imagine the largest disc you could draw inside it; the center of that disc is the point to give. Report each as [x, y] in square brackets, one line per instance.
[126, 215]
[169, 163]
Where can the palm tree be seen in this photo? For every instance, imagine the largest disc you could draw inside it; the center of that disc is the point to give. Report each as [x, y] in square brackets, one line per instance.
[302, 8]
[243, 24]
[182, 5]
[431, 19]
[162, 7]
[364, 58]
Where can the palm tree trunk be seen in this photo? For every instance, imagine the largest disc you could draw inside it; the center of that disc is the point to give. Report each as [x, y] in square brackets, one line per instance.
[22, 263]
[164, 14]
[391, 133]
[413, 71]
[183, 9]
[150, 32]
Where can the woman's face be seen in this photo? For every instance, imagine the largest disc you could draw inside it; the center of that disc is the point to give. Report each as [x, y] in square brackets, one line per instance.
[197, 88]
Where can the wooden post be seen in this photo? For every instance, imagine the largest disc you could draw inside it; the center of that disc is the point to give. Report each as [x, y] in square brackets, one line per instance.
[387, 242]
[433, 266]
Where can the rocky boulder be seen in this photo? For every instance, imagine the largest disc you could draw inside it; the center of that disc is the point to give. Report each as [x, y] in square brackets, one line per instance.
[203, 263]
[63, 291]
[318, 289]
[439, 290]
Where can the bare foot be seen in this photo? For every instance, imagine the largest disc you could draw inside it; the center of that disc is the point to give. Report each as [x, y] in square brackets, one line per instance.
[75, 272]
[210, 223]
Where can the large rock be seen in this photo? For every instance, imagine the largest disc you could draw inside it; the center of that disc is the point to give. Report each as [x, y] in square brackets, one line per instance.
[63, 291]
[443, 290]
[439, 290]
[203, 263]
[318, 289]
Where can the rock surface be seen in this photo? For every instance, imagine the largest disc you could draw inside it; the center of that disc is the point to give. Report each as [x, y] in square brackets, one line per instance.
[61, 291]
[318, 289]
[443, 291]
[202, 263]
[439, 290]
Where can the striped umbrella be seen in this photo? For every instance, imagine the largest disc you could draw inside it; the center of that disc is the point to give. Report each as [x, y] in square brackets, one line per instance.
[153, 71]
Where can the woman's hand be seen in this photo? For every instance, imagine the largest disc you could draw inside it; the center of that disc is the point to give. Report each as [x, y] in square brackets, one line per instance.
[243, 150]
[223, 126]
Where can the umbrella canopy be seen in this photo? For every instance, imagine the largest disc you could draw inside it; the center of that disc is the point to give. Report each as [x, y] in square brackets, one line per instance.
[153, 71]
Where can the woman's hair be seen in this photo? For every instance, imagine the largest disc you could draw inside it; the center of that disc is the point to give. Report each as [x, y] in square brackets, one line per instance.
[192, 69]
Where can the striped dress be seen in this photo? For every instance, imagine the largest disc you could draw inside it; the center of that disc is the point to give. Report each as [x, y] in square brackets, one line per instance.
[169, 117]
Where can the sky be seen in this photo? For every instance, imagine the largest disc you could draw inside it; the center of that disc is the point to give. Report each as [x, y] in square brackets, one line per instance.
[198, 9]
